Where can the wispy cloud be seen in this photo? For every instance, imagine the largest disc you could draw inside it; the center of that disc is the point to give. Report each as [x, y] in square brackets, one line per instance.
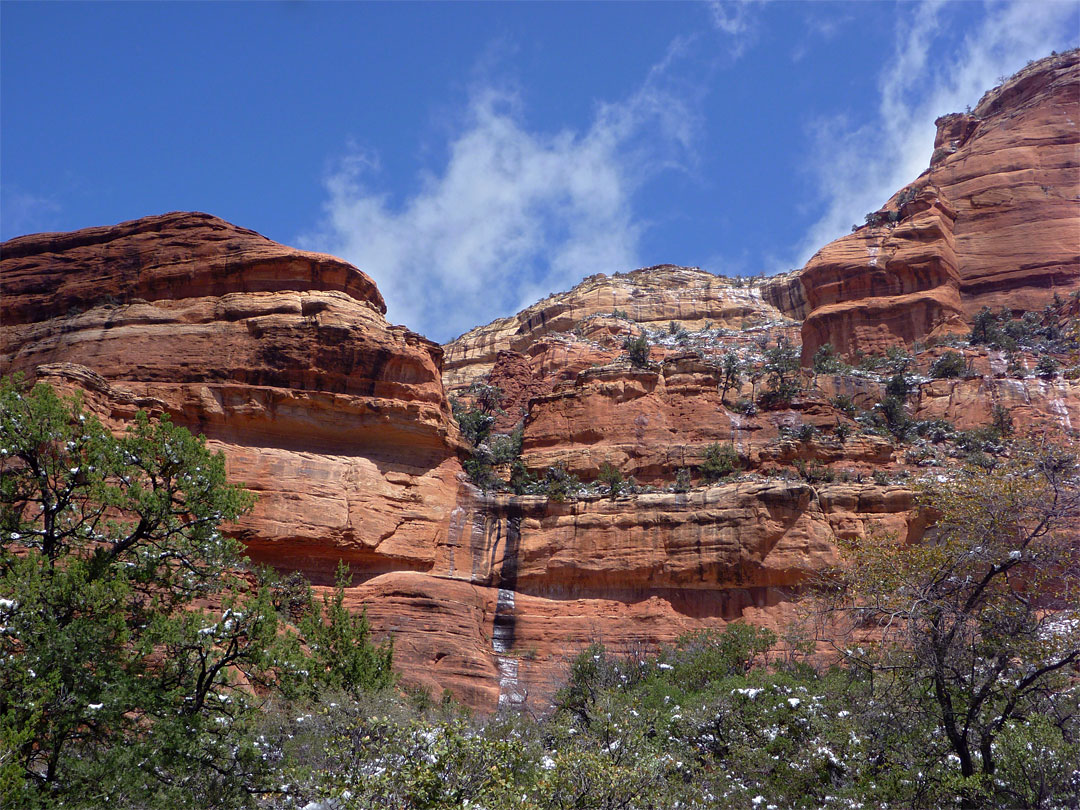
[736, 20]
[514, 214]
[25, 213]
[858, 167]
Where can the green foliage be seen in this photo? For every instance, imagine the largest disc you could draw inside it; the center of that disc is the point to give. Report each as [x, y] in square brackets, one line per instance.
[842, 431]
[109, 685]
[949, 365]
[974, 651]
[782, 372]
[746, 407]
[845, 404]
[612, 478]
[343, 657]
[638, 351]
[985, 327]
[1014, 365]
[814, 472]
[131, 643]
[475, 422]
[521, 481]
[478, 468]
[895, 418]
[826, 361]
[720, 461]
[805, 432]
[682, 480]
[730, 373]
[488, 398]
[897, 359]
[507, 447]
[559, 484]
[898, 386]
[1047, 367]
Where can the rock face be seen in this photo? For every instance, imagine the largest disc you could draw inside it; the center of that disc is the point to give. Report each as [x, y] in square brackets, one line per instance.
[342, 424]
[653, 296]
[281, 358]
[992, 222]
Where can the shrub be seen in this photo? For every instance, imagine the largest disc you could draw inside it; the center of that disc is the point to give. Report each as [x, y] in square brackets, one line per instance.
[936, 430]
[805, 432]
[845, 404]
[612, 479]
[521, 482]
[895, 418]
[1015, 366]
[813, 472]
[949, 365]
[638, 350]
[985, 327]
[701, 657]
[475, 423]
[506, 447]
[558, 484]
[898, 386]
[682, 480]
[1047, 367]
[730, 373]
[745, 407]
[478, 468]
[1001, 421]
[826, 361]
[781, 368]
[720, 461]
[842, 431]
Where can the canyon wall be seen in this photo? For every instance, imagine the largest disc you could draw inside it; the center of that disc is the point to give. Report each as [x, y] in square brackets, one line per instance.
[342, 424]
[993, 221]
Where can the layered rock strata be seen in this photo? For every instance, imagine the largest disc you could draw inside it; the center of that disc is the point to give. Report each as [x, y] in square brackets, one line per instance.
[341, 422]
[992, 222]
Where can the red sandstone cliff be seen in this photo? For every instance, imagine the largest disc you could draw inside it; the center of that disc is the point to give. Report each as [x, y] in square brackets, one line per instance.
[993, 221]
[341, 423]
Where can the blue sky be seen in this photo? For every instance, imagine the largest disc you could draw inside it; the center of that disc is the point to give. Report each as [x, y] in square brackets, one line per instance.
[473, 158]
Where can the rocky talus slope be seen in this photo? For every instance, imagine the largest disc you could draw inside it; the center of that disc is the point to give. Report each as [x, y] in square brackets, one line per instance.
[490, 569]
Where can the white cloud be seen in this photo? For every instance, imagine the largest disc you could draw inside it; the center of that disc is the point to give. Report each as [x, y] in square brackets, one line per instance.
[514, 214]
[736, 19]
[25, 212]
[860, 167]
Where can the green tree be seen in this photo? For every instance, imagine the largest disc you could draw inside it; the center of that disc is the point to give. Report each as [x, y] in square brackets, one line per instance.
[949, 365]
[106, 543]
[611, 477]
[133, 647]
[638, 350]
[979, 625]
[782, 370]
[343, 657]
[720, 460]
[730, 373]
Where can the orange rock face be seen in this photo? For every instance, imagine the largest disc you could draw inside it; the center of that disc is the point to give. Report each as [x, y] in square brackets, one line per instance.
[992, 222]
[341, 422]
[281, 358]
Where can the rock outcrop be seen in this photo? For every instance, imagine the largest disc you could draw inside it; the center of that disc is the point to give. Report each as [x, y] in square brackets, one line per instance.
[342, 423]
[992, 222]
[282, 358]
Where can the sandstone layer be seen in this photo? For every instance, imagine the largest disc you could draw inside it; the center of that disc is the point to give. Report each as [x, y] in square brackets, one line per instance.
[342, 424]
[993, 221]
[339, 423]
[282, 358]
